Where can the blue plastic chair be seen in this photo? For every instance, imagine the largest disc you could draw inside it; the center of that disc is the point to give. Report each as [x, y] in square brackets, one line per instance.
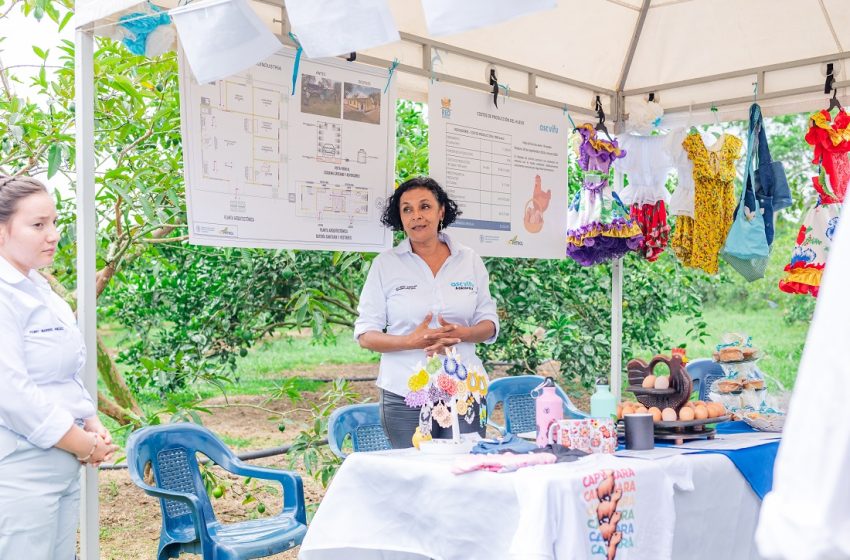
[188, 520]
[515, 395]
[704, 372]
[363, 423]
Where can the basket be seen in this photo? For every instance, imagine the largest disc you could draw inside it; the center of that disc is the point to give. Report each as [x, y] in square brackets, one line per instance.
[765, 421]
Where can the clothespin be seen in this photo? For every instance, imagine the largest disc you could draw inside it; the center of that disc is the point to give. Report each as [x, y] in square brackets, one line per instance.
[351, 57]
[755, 91]
[298, 52]
[392, 68]
[716, 114]
[567, 113]
[506, 89]
[830, 77]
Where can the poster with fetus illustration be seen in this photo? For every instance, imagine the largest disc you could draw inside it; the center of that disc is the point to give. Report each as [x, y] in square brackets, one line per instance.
[505, 167]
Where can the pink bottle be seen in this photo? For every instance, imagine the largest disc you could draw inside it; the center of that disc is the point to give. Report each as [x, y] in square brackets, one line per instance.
[548, 409]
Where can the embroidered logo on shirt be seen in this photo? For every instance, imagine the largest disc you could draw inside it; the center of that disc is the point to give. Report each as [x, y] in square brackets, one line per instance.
[406, 287]
[51, 329]
[463, 285]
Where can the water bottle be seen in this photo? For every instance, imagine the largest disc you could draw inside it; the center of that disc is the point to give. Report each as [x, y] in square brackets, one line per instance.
[603, 404]
[548, 408]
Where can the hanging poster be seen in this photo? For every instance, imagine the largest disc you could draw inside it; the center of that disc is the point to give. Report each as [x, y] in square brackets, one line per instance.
[506, 168]
[309, 170]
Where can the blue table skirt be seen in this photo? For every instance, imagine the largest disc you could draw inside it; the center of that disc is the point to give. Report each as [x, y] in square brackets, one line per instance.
[754, 463]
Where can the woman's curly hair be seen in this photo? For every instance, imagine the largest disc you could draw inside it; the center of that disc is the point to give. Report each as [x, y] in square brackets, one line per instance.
[391, 216]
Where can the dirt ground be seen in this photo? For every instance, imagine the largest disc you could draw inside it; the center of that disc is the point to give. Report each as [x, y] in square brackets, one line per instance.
[130, 520]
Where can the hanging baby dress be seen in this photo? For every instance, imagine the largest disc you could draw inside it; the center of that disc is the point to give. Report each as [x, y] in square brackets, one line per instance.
[598, 224]
[831, 144]
[697, 241]
[831, 141]
[646, 196]
[682, 199]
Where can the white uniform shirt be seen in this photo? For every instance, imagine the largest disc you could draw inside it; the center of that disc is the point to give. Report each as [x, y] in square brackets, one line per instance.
[805, 517]
[401, 290]
[41, 358]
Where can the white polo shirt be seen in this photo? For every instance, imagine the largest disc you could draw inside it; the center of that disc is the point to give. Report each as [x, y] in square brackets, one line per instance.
[40, 361]
[401, 290]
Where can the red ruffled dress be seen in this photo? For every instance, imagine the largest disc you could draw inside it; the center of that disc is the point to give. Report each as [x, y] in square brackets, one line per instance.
[831, 141]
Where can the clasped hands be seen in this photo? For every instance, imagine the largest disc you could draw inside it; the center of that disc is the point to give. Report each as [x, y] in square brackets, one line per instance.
[102, 447]
[438, 340]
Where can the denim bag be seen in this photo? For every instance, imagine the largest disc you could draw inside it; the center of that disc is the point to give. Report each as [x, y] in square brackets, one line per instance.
[746, 249]
[771, 184]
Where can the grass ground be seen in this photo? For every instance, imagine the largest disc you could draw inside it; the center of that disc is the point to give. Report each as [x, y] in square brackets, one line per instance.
[782, 343]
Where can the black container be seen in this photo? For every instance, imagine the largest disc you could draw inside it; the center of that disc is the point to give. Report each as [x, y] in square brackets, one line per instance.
[639, 431]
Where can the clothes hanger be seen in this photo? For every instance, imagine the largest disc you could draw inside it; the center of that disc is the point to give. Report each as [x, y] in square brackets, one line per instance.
[834, 103]
[692, 129]
[600, 125]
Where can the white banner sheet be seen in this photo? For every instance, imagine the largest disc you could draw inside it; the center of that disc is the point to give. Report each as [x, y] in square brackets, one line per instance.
[307, 171]
[506, 168]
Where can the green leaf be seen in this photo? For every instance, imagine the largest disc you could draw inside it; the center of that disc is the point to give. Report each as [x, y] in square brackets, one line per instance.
[54, 159]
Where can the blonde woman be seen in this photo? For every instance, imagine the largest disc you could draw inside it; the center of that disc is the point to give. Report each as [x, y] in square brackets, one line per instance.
[48, 422]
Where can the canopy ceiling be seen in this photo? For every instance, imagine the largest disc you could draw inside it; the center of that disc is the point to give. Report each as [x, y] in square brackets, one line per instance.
[690, 53]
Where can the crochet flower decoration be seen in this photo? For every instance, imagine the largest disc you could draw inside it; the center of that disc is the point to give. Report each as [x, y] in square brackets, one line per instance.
[416, 399]
[447, 384]
[442, 415]
[418, 380]
[445, 390]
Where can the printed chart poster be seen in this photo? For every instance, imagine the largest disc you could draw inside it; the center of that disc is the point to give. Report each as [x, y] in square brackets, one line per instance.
[266, 168]
[506, 168]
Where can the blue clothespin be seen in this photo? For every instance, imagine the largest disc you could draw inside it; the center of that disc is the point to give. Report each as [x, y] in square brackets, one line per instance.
[506, 89]
[297, 60]
[392, 68]
[567, 113]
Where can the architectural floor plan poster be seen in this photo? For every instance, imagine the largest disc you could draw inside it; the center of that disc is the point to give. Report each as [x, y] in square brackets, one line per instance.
[309, 170]
[506, 168]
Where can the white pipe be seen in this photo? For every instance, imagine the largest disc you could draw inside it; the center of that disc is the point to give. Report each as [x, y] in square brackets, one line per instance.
[86, 268]
[617, 312]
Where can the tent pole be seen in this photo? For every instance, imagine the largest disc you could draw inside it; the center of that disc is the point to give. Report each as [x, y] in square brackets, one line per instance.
[617, 312]
[86, 268]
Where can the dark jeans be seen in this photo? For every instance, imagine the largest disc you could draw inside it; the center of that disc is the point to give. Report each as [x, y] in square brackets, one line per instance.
[400, 421]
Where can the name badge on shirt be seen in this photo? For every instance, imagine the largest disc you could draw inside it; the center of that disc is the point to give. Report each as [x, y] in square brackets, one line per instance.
[47, 330]
[404, 287]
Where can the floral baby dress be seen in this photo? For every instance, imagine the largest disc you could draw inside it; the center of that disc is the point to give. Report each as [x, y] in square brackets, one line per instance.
[598, 224]
[697, 241]
[831, 142]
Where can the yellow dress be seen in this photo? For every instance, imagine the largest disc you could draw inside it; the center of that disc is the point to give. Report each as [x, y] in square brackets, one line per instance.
[697, 241]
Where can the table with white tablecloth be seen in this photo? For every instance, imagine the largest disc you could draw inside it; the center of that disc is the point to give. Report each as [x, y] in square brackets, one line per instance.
[406, 505]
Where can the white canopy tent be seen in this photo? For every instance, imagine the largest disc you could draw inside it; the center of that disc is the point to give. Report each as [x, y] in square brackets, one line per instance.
[692, 54]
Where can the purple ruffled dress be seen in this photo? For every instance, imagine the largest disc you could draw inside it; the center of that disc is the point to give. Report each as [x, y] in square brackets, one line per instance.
[598, 224]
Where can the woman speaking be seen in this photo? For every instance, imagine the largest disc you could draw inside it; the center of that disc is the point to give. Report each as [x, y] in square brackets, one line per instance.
[420, 298]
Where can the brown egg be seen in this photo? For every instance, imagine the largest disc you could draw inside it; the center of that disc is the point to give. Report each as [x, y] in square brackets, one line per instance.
[690, 404]
[649, 382]
[699, 403]
[700, 412]
[620, 411]
[628, 408]
[713, 412]
[668, 415]
[656, 413]
[640, 409]
[686, 414]
[662, 382]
